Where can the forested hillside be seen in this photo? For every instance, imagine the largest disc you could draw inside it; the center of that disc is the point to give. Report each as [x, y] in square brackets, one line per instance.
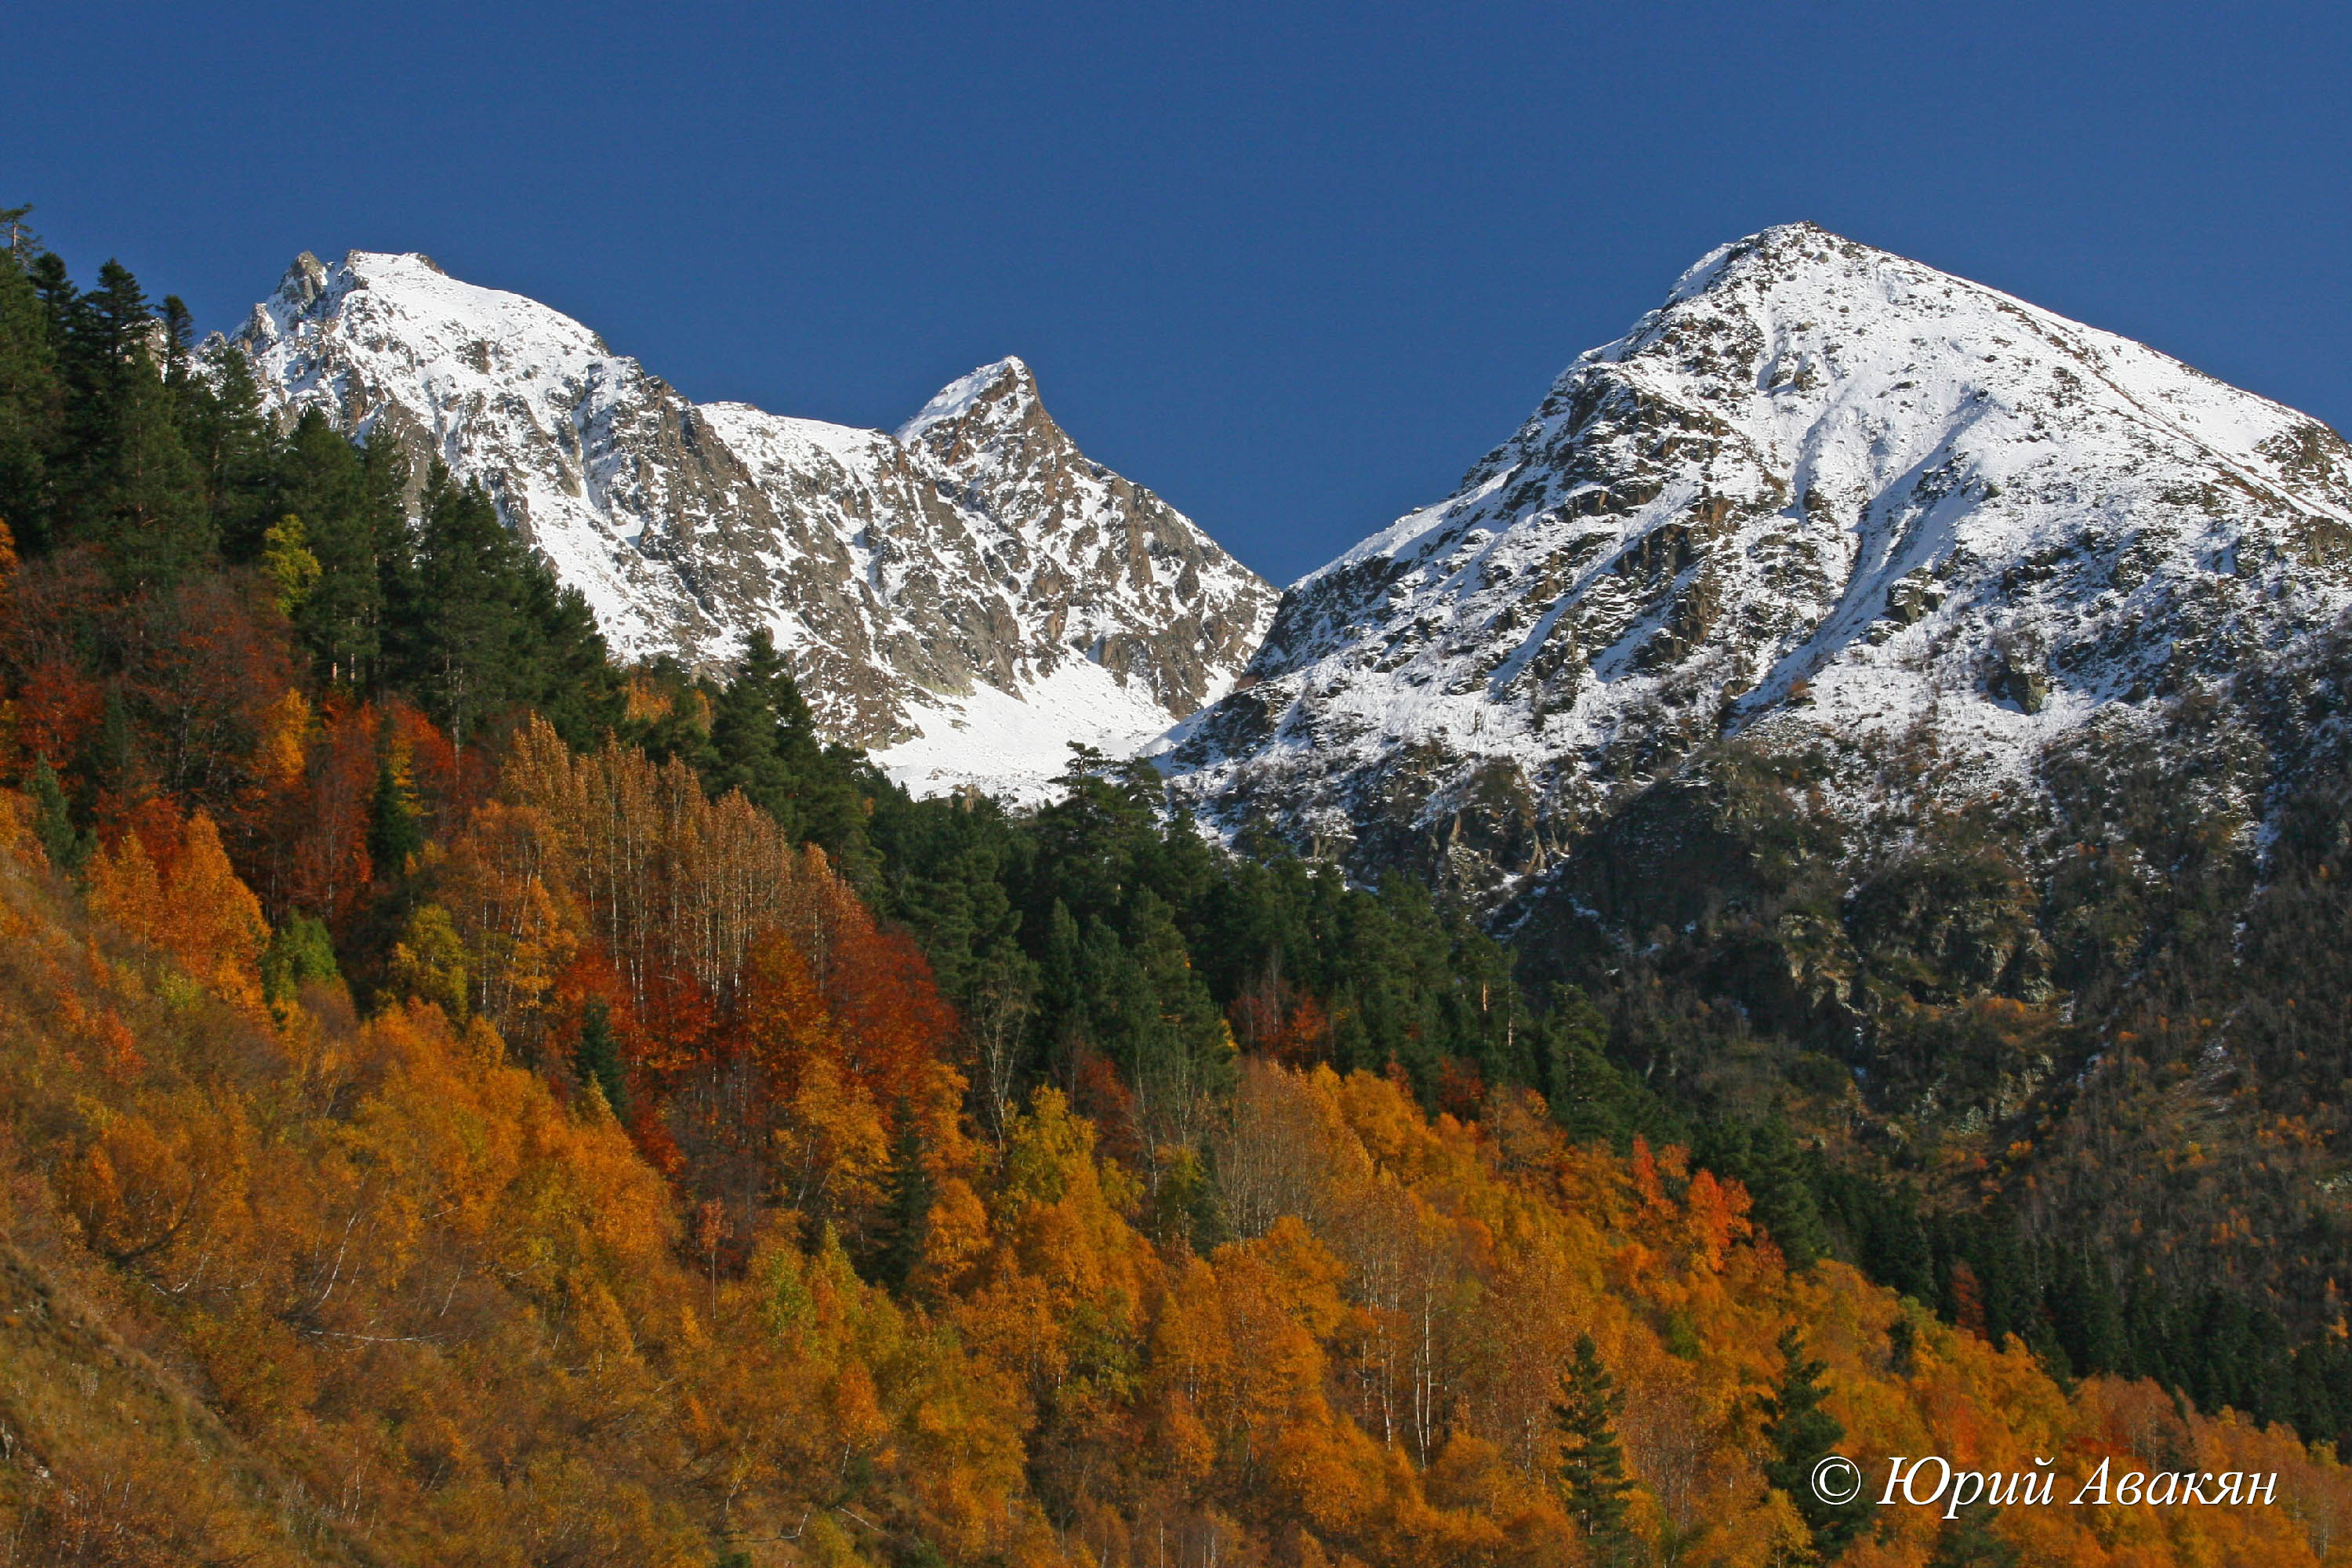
[1917, 718]
[462, 1101]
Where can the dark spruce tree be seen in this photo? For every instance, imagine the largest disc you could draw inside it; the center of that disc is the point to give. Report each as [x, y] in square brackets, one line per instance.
[1763, 1157]
[1801, 1434]
[394, 836]
[597, 1058]
[349, 499]
[2085, 1312]
[459, 631]
[31, 397]
[53, 822]
[229, 441]
[1591, 1461]
[764, 741]
[113, 762]
[747, 732]
[1178, 1051]
[128, 486]
[480, 625]
[907, 1208]
[572, 680]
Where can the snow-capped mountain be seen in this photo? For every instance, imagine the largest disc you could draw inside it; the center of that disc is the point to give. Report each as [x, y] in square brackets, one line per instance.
[966, 597]
[1822, 497]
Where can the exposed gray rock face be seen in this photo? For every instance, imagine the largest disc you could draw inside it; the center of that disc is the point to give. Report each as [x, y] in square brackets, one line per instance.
[967, 595]
[1822, 497]
[1164, 607]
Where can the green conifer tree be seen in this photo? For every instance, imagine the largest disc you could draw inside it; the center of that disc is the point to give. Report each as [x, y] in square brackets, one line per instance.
[1062, 1017]
[230, 441]
[480, 624]
[461, 629]
[1586, 1094]
[130, 487]
[1763, 1156]
[1179, 1054]
[746, 736]
[177, 348]
[2087, 1312]
[597, 1058]
[1090, 841]
[394, 836]
[53, 822]
[906, 1207]
[1591, 1460]
[350, 502]
[570, 679]
[1801, 1434]
[764, 741]
[114, 757]
[31, 396]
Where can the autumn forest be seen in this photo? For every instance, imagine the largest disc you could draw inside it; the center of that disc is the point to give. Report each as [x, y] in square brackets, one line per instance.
[464, 1102]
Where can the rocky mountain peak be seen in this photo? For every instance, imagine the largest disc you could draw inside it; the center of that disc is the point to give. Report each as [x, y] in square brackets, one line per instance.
[305, 280]
[1784, 247]
[967, 597]
[988, 433]
[992, 397]
[1821, 491]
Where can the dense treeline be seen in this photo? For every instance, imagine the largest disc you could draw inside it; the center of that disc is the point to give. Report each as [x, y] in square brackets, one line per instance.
[1106, 951]
[279, 1284]
[536, 1111]
[1137, 958]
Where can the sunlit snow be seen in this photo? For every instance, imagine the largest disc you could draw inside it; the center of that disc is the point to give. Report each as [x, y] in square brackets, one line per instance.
[1819, 466]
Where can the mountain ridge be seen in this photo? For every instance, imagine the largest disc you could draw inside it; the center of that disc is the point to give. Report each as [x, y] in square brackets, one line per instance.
[964, 601]
[1821, 488]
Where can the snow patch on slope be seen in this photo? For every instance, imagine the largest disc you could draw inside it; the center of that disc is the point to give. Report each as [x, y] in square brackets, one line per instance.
[1009, 745]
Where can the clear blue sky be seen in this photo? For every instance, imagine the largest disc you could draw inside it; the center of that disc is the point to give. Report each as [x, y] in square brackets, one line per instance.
[1294, 267]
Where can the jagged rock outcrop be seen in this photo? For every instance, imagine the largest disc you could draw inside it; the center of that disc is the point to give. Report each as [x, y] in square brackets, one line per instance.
[966, 597]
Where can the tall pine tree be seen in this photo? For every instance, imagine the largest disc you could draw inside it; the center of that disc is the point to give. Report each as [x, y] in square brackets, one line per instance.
[229, 441]
[480, 624]
[1763, 1156]
[461, 640]
[1802, 1434]
[31, 397]
[129, 486]
[349, 499]
[906, 1207]
[764, 741]
[1591, 1461]
[53, 822]
[394, 836]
